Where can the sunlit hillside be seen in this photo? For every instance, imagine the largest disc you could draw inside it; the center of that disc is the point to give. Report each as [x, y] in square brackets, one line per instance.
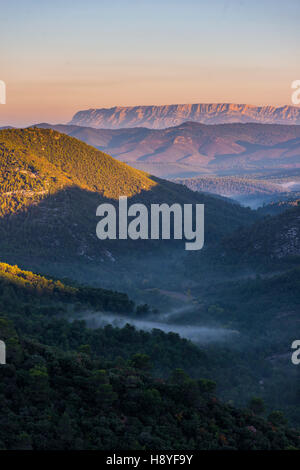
[51, 187]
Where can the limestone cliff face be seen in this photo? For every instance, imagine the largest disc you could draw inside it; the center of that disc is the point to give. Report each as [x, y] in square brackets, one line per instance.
[159, 117]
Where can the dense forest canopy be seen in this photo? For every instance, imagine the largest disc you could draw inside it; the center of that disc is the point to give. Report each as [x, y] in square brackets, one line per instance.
[67, 387]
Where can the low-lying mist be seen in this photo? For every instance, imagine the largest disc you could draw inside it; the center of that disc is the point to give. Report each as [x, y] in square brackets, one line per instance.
[291, 185]
[195, 333]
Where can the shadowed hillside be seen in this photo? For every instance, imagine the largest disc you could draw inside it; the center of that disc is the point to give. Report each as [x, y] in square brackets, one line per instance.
[51, 187]
[273, 239]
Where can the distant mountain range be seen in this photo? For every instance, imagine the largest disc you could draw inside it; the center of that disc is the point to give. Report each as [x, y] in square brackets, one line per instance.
[159, 117]
[193, 148]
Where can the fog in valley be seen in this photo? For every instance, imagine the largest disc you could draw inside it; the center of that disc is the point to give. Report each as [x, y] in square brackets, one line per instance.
[197, 334]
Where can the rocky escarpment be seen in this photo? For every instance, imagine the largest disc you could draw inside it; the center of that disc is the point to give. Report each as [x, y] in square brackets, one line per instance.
[158, 117]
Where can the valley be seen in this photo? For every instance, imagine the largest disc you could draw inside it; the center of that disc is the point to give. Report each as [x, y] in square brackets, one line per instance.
[255, 191]
[149, 232]
[218, 314]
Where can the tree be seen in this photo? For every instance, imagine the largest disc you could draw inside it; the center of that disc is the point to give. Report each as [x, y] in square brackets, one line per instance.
[257, 405]
[277, 418]
[141, 362]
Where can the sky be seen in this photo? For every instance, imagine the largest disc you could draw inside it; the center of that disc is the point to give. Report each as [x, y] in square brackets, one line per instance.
[62, 56]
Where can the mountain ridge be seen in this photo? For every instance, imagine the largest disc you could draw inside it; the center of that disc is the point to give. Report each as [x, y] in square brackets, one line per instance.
[163, 116]
[196, 147]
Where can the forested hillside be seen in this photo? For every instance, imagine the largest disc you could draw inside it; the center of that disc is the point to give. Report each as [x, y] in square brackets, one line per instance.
[272, 239]
[276, 207]
[230, 186]
[59, 392]
[51, 187]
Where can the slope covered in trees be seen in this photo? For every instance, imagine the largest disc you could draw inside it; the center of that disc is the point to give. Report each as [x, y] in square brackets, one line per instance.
[51, 187]
[269, 196]
[69, 401]
[281, 205]
[67, 387]
[230, 186]
[272, 239]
